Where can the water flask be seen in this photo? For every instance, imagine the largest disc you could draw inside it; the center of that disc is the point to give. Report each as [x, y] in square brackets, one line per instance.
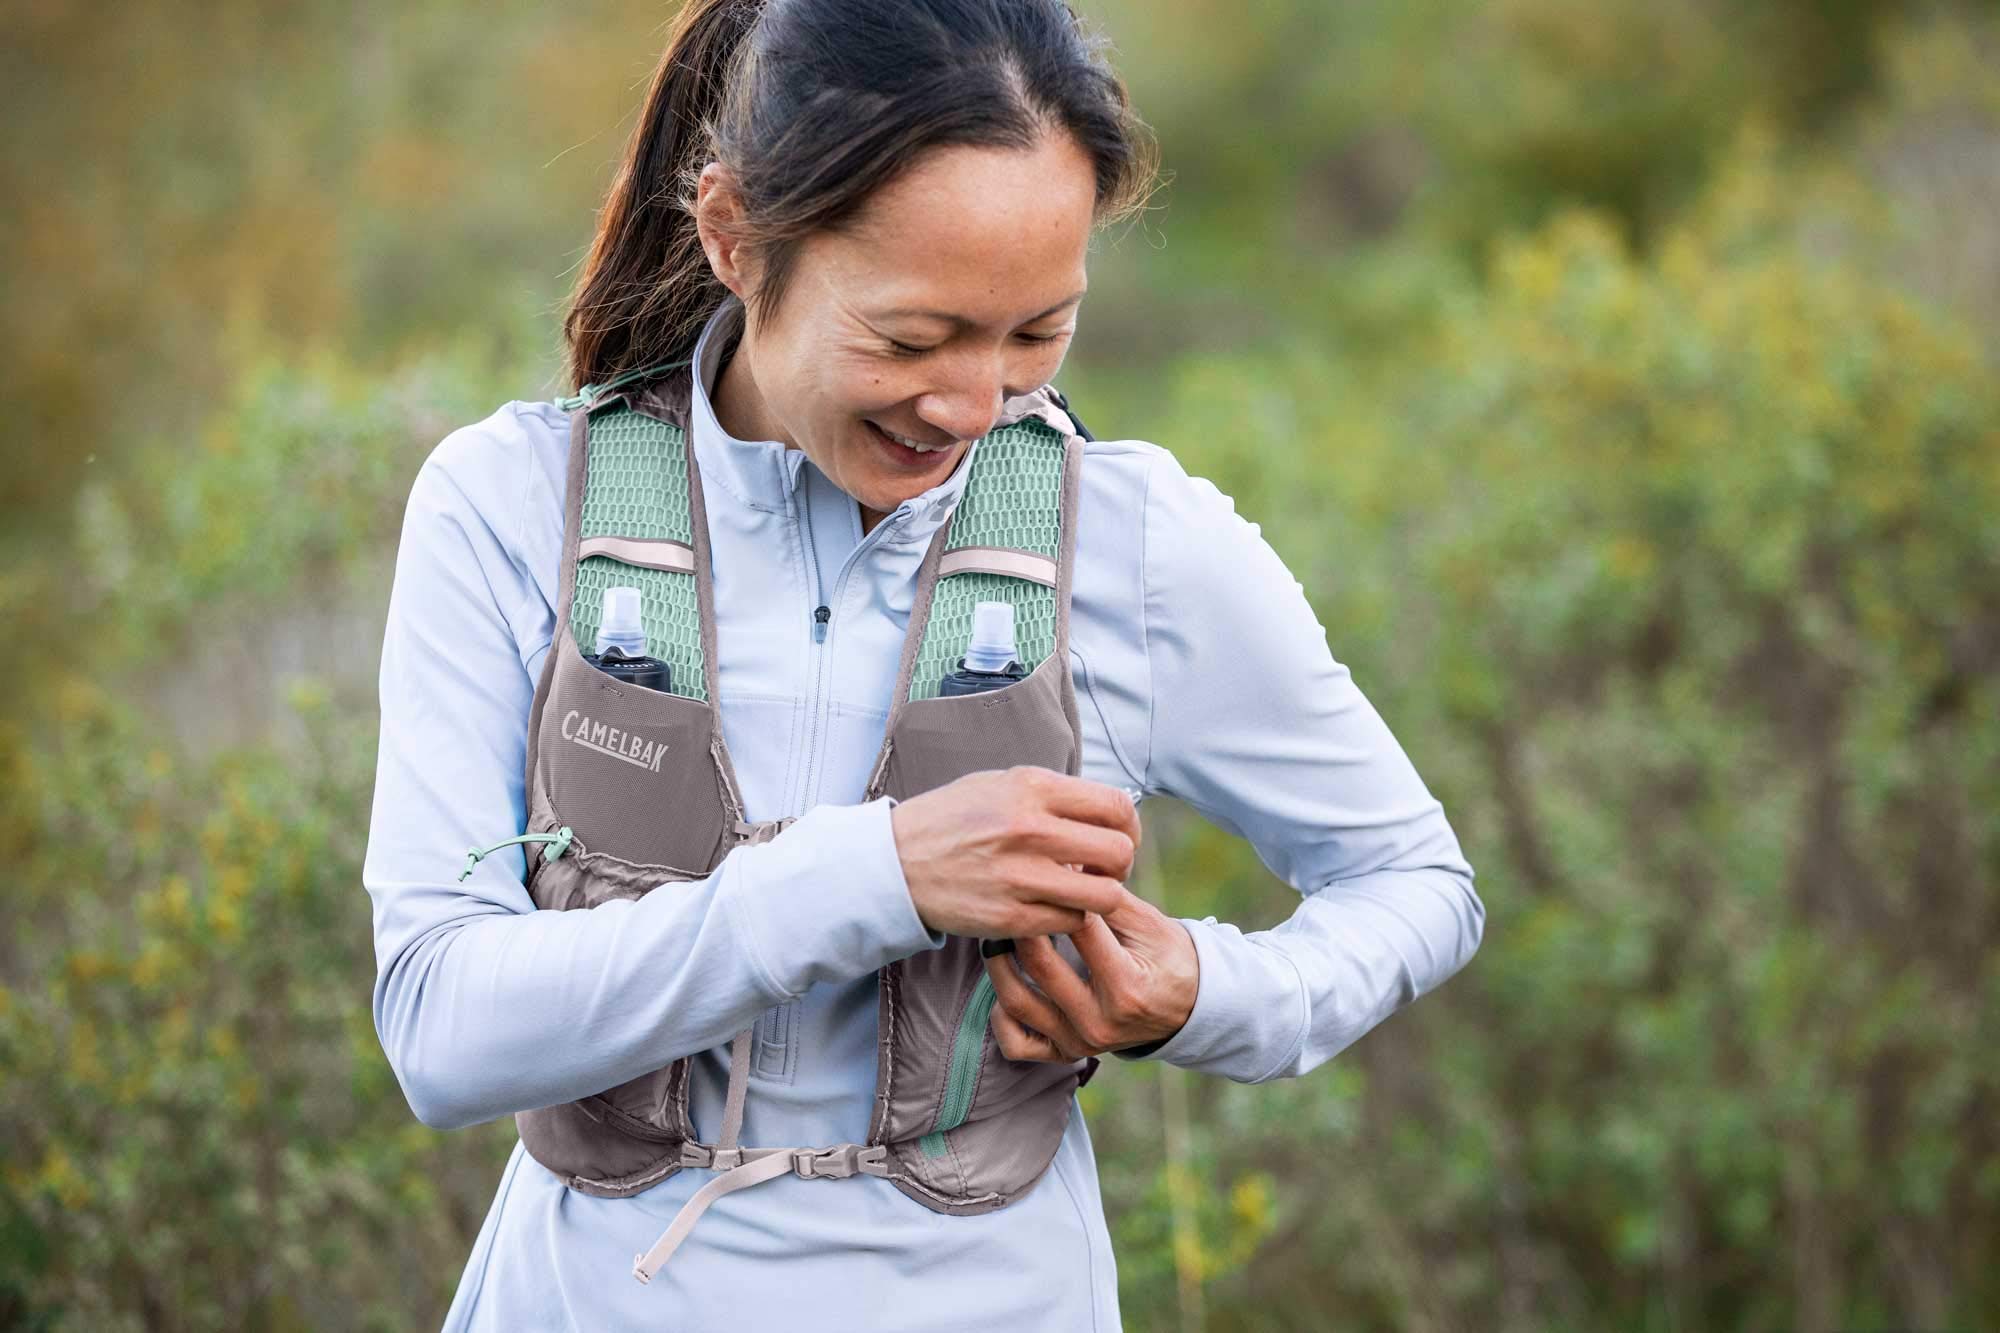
[621, 644]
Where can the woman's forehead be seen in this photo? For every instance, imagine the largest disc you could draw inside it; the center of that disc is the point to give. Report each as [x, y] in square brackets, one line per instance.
[980, 235]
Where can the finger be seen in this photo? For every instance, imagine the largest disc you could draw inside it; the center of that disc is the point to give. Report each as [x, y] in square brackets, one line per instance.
[1105, 851]
[1018, 1042]
[1034, 1011]
[1073, 890]
[1040, 919]
[1103, 949]
[1026, 1005]
[1058, 980]
[1090, 802]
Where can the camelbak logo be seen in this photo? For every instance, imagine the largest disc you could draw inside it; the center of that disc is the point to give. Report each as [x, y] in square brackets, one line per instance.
[614, 741]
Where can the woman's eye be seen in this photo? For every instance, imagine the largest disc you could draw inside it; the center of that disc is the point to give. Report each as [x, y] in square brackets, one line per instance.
[1043, 337]
[904, 349]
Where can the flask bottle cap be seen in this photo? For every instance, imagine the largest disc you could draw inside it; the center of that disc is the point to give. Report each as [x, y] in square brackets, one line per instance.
[619, 624]
[992, 646]
[621, 609]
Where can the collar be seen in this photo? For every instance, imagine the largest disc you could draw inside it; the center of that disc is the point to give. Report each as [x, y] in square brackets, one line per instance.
[762, 474]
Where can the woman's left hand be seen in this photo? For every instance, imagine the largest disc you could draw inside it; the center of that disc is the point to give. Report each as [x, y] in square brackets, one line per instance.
[1141, 987]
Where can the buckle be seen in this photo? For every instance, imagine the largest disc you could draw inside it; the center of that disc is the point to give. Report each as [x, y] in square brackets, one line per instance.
[750, 834]
[837, 1163]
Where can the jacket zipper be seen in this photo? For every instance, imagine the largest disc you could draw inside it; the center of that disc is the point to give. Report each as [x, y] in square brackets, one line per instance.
[968, 1044]
[778, 1031]
[822, 621]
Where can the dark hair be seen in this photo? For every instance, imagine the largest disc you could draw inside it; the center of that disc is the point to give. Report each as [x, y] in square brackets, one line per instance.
[812, 105]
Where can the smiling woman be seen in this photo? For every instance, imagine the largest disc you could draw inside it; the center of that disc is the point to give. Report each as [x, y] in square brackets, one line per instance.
[838, 270]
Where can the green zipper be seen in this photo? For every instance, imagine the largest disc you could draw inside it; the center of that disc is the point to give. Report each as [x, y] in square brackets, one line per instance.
[966, 1049]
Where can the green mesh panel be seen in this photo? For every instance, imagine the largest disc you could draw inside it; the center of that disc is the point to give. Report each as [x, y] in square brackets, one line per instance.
[1012, 499]
[638, 487]
[1014, 495]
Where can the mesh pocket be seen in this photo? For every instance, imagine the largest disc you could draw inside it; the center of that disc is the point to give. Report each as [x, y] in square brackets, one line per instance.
[638, 487]
[1013, 499]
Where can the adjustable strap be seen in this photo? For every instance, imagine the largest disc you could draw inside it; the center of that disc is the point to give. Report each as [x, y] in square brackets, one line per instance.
[759, 1165]
[739, 1086]
[744, 1167]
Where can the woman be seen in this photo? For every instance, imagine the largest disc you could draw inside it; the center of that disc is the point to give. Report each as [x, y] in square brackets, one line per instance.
[866, 227]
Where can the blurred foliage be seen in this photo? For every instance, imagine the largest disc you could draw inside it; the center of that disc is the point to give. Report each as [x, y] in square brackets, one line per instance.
[200, 1129]
[1677, 576]
[1617, 379]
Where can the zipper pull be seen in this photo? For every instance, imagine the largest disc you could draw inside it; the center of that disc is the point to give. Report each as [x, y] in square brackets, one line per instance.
[555, 844]
[821, 614]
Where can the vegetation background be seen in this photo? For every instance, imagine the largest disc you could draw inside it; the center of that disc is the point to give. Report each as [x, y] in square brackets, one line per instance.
[1616, 376]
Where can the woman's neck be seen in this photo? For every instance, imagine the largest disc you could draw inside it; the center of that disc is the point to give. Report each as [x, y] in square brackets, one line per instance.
[739, 410]
[739, 407]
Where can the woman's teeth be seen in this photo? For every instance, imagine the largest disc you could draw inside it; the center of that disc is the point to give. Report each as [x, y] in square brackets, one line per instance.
[912, 444]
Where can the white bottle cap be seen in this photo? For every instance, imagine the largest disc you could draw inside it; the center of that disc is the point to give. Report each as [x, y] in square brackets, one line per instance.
[992, 646]
[619, 625]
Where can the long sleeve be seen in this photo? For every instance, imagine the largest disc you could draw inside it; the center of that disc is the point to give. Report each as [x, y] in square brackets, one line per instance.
[486, 1005]
[1256, 725]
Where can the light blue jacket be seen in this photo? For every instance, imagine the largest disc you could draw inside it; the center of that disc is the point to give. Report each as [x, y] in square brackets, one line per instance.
[1200, 672]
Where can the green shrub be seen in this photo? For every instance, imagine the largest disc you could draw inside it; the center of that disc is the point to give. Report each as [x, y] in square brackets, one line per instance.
[1676, 577]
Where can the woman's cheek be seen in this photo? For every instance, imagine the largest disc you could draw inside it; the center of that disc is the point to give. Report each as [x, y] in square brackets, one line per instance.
[1041, 364]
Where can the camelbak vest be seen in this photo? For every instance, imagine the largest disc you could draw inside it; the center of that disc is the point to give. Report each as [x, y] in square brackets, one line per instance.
[629, 788]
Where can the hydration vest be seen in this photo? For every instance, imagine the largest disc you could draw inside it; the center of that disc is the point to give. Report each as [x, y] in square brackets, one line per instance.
[629, 788]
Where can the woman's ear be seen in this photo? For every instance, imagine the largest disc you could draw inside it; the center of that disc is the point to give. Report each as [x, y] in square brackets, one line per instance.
[718, 209]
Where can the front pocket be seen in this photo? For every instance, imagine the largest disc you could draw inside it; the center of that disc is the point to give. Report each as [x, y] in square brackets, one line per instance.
[631, 770]
[939, 740]
[642, 1107]
[581, 877]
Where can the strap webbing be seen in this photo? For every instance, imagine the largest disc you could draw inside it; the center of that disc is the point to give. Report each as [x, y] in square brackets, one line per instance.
[744, 1167]
[1030, 565]
[667, 556]
[742, 1177]
[739, 1086]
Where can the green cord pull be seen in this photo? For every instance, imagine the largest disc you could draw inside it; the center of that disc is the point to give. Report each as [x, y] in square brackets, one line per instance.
[590, 393]
[558, 843]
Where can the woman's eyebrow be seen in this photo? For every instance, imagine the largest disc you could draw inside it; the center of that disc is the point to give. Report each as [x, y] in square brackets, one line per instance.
[960, 321]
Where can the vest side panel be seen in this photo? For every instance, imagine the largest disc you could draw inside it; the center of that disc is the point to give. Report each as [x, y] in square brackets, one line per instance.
[611, 760]
[1018, 1109]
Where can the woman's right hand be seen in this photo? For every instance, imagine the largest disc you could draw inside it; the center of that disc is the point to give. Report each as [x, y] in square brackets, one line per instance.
[1005, 853]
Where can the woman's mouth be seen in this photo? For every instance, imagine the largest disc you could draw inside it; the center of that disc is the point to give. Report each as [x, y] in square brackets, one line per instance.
[908, 456]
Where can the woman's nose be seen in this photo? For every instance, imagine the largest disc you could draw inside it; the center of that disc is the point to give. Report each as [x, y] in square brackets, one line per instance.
[967, 404]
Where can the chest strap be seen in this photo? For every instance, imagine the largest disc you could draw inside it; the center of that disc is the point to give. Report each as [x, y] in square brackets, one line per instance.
[744, 1167]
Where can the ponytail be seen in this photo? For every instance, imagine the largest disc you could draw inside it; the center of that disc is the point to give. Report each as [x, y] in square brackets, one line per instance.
[647, 288]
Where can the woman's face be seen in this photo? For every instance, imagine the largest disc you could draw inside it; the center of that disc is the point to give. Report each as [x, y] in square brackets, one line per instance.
[954, 287]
